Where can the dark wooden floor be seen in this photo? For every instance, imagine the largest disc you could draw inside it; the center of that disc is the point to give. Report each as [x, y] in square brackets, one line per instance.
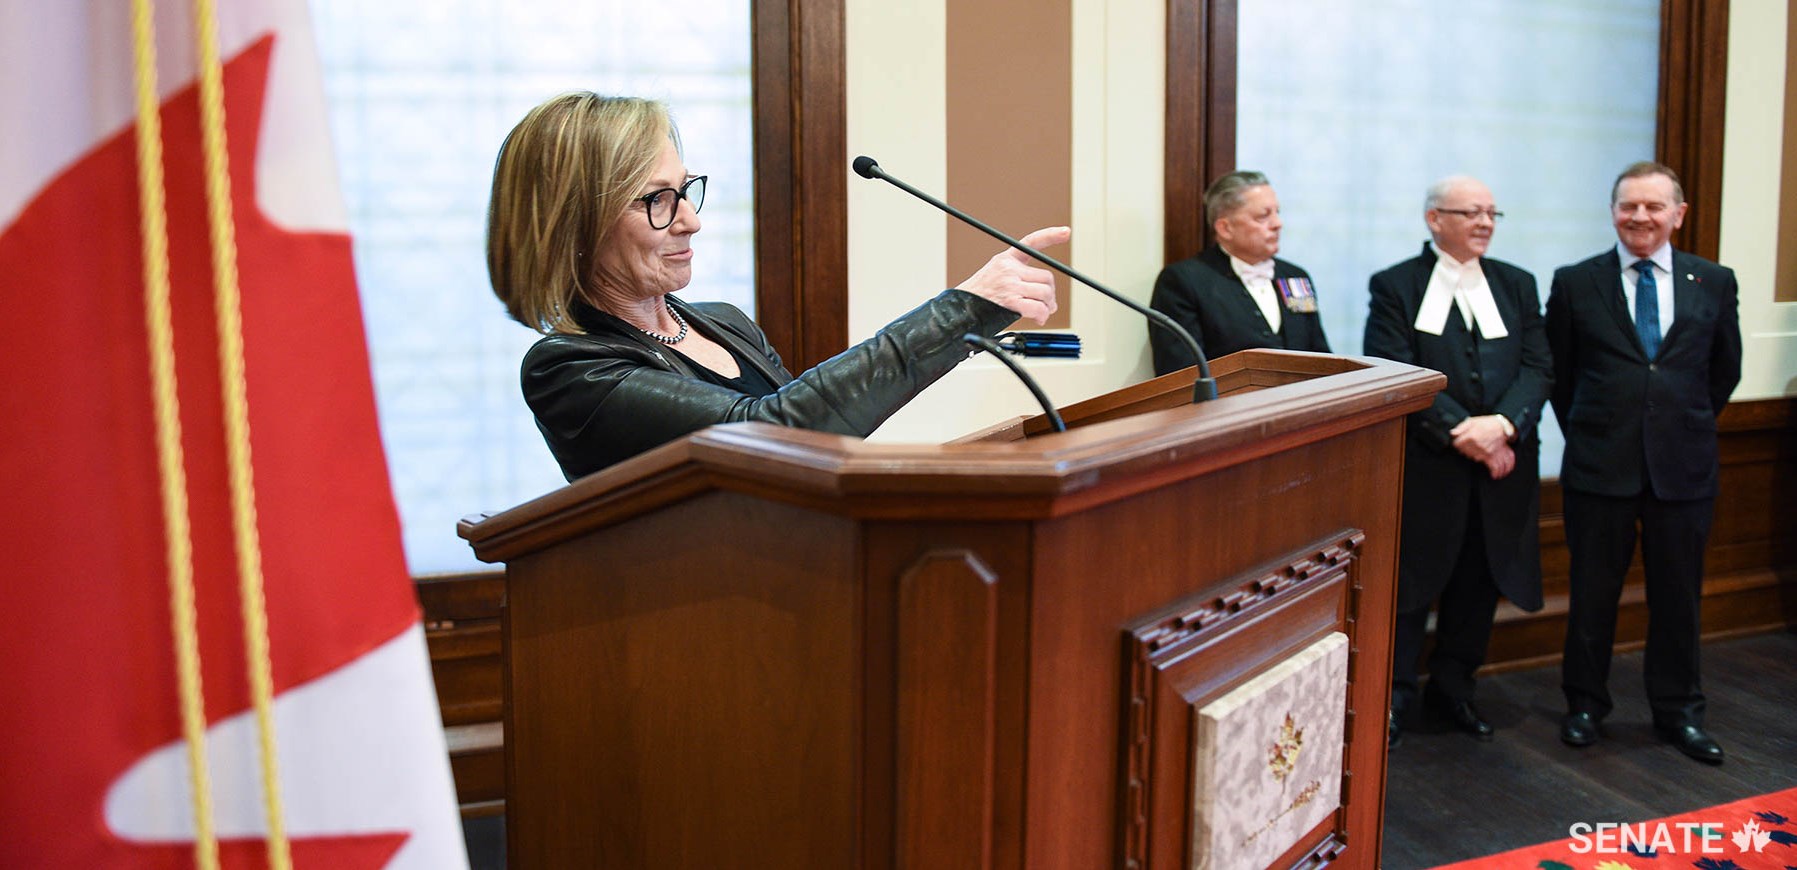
[1450, 798]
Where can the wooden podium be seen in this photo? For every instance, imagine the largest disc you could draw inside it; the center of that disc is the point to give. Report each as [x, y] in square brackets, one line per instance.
[765, 647]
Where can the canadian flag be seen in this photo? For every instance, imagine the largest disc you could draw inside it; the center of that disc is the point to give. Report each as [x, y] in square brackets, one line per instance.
[93, 768]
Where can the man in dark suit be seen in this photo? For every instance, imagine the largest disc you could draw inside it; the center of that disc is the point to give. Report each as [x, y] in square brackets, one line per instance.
[1471, 482]
[1647, 349]
[1234, 295]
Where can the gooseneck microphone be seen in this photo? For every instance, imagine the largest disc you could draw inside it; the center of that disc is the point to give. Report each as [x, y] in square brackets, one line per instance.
[991, 347]
[1205, 388]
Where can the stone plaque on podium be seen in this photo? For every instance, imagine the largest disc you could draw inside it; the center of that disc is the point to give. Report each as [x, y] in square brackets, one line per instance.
[1269, 758]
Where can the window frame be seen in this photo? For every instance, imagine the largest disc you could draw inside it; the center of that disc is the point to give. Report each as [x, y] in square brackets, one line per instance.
[801, 179]
[1201, 114]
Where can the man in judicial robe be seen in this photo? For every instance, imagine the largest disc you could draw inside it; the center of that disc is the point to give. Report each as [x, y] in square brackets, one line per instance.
[1471, 480]
[1234, 294]
[1647, 349]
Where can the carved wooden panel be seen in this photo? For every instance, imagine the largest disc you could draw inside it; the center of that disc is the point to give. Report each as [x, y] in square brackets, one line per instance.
[1180, 658]
[947, 693]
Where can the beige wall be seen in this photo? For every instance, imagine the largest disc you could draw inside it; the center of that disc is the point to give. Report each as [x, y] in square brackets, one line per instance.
[896, 110]
[1751, 168]
[1787, 195]
[896, 113]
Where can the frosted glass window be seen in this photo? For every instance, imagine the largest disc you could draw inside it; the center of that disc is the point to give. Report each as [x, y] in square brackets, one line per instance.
[1354, 109]
[421, 95]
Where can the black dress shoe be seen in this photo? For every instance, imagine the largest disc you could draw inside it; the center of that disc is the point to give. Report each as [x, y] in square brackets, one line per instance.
[1465, 717]
[1394, 733]
[1578, 729]
[1693, 742]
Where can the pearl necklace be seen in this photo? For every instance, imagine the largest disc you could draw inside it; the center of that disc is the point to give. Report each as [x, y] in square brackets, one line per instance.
[677, 337]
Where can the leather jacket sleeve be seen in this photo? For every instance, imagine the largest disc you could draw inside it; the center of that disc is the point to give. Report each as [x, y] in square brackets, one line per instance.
[602, 398]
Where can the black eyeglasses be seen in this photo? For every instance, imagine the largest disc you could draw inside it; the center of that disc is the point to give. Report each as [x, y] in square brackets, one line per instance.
[662, 204]
[1472, 214]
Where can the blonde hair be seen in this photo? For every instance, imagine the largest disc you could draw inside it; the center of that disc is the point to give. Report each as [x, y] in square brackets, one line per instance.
[563, 178]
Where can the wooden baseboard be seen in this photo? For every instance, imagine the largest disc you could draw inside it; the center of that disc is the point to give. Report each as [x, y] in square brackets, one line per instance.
[1743, 603]
[461, 619]
[477, 760]
[1751, 559]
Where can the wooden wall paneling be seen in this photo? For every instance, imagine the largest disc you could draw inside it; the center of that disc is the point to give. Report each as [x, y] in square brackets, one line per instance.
[461, 628]
[801, 178]
[1691, 117]
[477, 764]
[1200, 122]
[461, 631]
[1750, 565]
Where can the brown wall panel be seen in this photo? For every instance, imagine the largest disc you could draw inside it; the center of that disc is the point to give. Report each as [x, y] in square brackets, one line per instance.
[1200, 122]
[1693, 88]
[1010, 127]
[801, 179]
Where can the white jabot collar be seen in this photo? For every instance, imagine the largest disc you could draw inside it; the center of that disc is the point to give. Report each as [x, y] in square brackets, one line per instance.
[1245, 271]
[1454, 284]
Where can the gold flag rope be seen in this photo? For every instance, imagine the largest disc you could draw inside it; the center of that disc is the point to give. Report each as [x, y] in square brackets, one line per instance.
[177, 534]
[228, 308]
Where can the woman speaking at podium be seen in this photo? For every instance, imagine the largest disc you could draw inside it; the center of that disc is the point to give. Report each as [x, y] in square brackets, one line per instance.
[589, 233]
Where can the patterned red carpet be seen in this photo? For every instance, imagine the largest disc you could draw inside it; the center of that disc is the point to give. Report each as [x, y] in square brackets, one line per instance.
[1751, 834]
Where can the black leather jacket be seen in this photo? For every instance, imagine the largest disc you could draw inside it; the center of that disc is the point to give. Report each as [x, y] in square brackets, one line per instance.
[607, 395]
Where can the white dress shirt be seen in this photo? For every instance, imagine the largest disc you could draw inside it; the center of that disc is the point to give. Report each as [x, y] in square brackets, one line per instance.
[1258, 278]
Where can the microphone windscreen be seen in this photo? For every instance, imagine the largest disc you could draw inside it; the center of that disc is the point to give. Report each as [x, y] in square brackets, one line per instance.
[865, 166]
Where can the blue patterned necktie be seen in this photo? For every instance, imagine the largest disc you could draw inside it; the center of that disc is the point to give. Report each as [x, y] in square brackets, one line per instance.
[1647, 308]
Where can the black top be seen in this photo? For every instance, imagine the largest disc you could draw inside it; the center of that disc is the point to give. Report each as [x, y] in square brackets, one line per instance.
[1445, 492]
[612, 392]
[750, 383]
